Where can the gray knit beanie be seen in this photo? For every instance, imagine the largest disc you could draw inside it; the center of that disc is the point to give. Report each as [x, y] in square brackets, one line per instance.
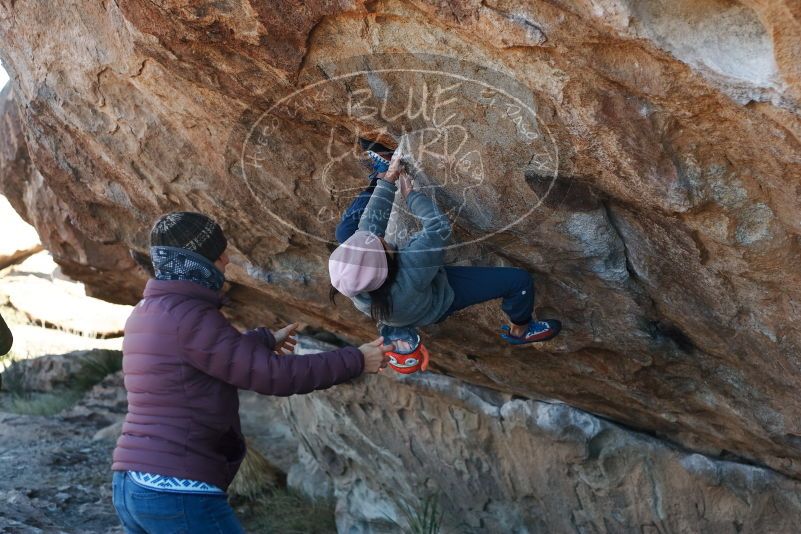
[189, 231]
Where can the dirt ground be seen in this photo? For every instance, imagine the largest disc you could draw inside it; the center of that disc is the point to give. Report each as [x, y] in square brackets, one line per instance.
[53, 476]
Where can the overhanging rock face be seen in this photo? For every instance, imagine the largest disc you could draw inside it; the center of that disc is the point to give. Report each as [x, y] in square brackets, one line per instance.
[642, 162]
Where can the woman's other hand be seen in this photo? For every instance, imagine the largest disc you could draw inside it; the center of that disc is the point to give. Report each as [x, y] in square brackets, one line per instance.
[375, 358]
[285, 339]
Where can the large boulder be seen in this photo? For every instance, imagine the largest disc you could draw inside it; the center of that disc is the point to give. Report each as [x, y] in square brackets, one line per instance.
[385, 446]
[20, 239]
[106, 266]
[37, 289]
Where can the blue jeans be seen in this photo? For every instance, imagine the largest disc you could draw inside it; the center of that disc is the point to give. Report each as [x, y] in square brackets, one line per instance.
[145, 511]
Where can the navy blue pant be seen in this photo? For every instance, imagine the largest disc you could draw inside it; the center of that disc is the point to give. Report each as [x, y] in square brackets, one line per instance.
[146, 511]
[471, 285]
[350, 219]
[474, 285]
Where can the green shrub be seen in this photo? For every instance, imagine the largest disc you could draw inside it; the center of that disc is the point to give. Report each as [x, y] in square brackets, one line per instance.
[95, 366]
[41, 403]
[426, 518]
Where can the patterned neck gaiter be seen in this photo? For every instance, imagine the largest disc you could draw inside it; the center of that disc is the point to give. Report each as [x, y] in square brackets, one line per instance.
[171, 263]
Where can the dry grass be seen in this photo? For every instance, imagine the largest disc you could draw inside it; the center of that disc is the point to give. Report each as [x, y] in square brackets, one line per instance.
[287, 512]
[269, 509]
[256, 477]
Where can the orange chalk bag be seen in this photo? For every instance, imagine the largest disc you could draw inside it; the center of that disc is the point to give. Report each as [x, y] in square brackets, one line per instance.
[410, 355]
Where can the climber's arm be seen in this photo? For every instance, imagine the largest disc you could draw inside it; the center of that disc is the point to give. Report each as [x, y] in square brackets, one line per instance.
[376, 215]
[424, 255]
[436, 230]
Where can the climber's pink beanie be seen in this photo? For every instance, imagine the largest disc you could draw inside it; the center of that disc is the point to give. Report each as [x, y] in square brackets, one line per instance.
[358, 265]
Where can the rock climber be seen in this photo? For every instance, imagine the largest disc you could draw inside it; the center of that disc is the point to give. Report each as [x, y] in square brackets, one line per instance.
[411, 286]
[183, 362]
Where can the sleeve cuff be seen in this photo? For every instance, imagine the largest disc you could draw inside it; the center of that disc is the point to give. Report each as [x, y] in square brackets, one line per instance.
[411, 196]
[383, 184]
[359, 361]
[265, 335]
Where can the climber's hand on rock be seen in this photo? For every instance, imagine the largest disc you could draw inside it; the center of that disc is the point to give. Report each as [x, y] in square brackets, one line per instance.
[395, 168]
[406, 184]
[285, 339]
[375, 357]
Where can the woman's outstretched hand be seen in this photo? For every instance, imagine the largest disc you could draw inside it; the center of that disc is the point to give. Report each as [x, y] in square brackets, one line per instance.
[375, 358]
[285, 339]
[394, 168]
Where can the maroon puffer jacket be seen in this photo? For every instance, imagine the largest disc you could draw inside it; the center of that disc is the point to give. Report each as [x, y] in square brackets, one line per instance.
[183, 363]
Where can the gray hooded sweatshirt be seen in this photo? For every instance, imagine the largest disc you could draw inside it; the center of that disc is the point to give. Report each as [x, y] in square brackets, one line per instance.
[420, 293]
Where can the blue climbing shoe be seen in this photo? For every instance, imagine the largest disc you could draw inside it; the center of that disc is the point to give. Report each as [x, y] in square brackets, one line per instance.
[379, 154]
[537, 331]
[379, 163]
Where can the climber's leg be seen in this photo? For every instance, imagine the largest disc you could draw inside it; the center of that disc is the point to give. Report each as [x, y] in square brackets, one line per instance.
[379, 159]
[473, 285]
[350, 219]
